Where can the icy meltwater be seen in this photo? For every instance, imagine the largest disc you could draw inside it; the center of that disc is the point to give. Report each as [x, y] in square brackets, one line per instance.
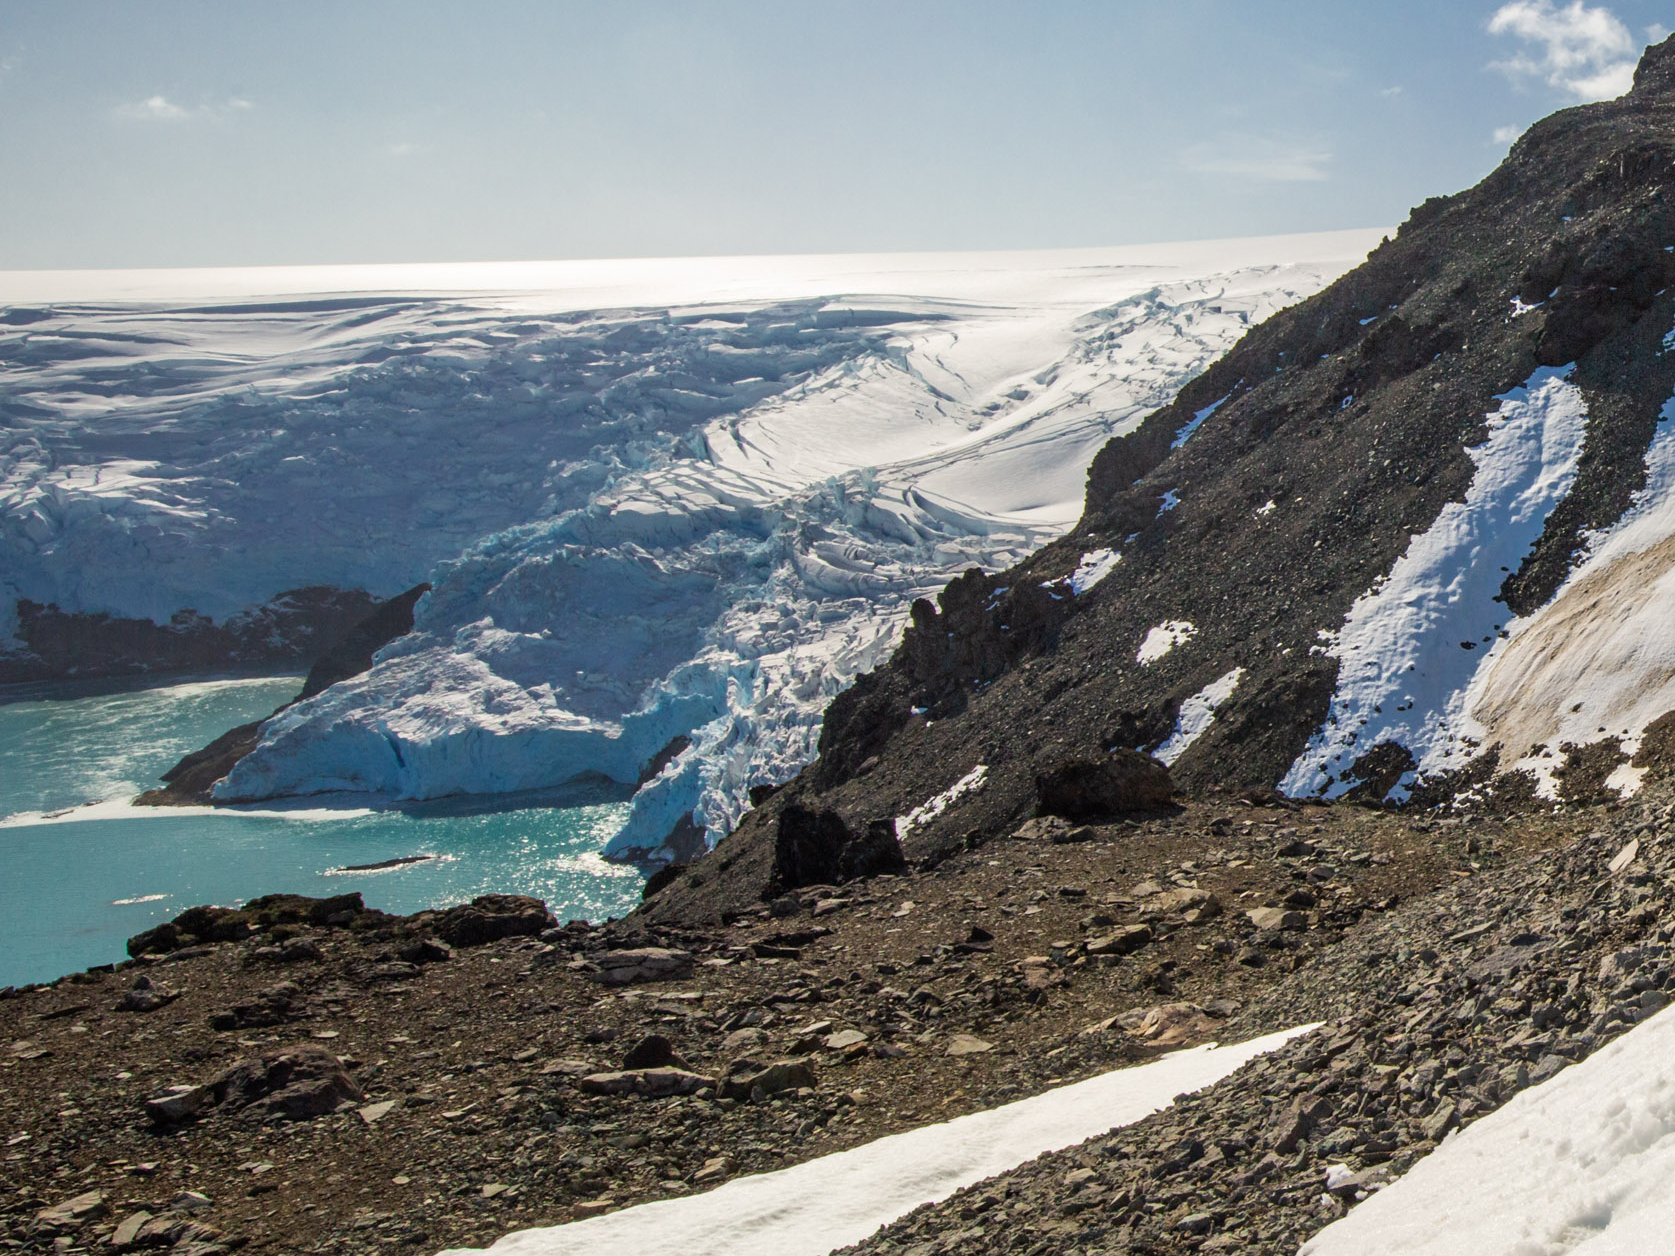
[83, 871]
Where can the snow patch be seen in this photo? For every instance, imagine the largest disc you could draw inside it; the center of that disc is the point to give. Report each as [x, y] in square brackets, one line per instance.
[1569, 673]
[1410, 647]
[1164, 638]
[1196, 715]
[1581, 1165]
[813, 1208]
[1197, 419]
[1171, 499]
[1094, 567]
[928, 810]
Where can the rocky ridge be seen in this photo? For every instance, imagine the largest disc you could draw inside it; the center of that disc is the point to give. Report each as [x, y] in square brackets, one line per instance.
[1379, 386]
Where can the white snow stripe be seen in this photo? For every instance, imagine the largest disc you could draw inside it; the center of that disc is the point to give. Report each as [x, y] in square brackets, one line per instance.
[1182, 436]
[928, 810]
[1411, 645]
[812, 1208]
[1196, 715]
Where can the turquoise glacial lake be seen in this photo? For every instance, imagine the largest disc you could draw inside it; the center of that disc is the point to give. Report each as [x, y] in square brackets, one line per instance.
[81, 871]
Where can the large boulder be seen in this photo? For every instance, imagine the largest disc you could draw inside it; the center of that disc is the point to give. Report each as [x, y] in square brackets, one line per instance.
[642, 963]
[818, 848]
[490, 917]
[298, 1083]
[1114, 784]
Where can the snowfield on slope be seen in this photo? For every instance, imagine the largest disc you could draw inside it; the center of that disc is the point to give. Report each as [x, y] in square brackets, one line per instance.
[689, 502]
[1410, 646]
[1429, 659]
[1581, 1165]
[813, 1208]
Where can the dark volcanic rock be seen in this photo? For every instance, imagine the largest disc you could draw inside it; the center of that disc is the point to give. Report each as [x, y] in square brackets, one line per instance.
[351, 654]
[490, 917]
[1097, 789]
[818, 848]
[295, 626]
[298, 1083]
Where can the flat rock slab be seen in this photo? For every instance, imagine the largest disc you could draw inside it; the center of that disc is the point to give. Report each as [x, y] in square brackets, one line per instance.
[645, 963]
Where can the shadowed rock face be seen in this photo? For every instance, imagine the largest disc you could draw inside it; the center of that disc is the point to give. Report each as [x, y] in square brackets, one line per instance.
[818, 848]
[290, 629]
[1097, 789]
[1340, 431]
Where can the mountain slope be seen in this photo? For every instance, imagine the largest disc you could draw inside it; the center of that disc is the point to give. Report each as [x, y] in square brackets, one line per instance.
[1356, 556]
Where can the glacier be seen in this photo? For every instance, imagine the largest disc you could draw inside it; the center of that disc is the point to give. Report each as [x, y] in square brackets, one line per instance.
[667, 511]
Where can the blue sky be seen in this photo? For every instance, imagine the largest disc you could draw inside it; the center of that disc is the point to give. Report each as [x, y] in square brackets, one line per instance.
[177, 132]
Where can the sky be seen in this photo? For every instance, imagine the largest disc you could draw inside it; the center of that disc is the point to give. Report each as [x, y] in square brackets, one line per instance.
[203, 133]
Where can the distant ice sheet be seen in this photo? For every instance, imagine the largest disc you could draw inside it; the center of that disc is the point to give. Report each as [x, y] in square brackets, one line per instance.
[813, 1208]
[654, 500]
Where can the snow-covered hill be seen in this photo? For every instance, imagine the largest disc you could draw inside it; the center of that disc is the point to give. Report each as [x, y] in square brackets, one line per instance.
[694, 513]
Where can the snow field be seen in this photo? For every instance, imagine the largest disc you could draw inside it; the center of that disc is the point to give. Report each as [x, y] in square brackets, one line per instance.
[1582, 1165]
[813, 1208]
[1569, 673]
[1410, 646]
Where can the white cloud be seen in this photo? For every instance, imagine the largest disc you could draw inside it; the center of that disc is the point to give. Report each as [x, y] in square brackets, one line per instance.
[1506, 134]
[1264, 159]
[153, 109]
[1584, 51]
[1657, 32]
[162, 109]
[1390, 91]
[405, 149]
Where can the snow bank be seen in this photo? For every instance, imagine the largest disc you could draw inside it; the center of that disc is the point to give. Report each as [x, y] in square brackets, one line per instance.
[1582, 1165]
[1568, 672]
[1410, 647]
[839, 1199]
[1196, 715]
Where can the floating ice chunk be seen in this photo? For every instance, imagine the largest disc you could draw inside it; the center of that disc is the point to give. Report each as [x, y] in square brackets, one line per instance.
[1164, 638]
[928, 810]
[1198, 418]
[1093, 568]
[1197, 714]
